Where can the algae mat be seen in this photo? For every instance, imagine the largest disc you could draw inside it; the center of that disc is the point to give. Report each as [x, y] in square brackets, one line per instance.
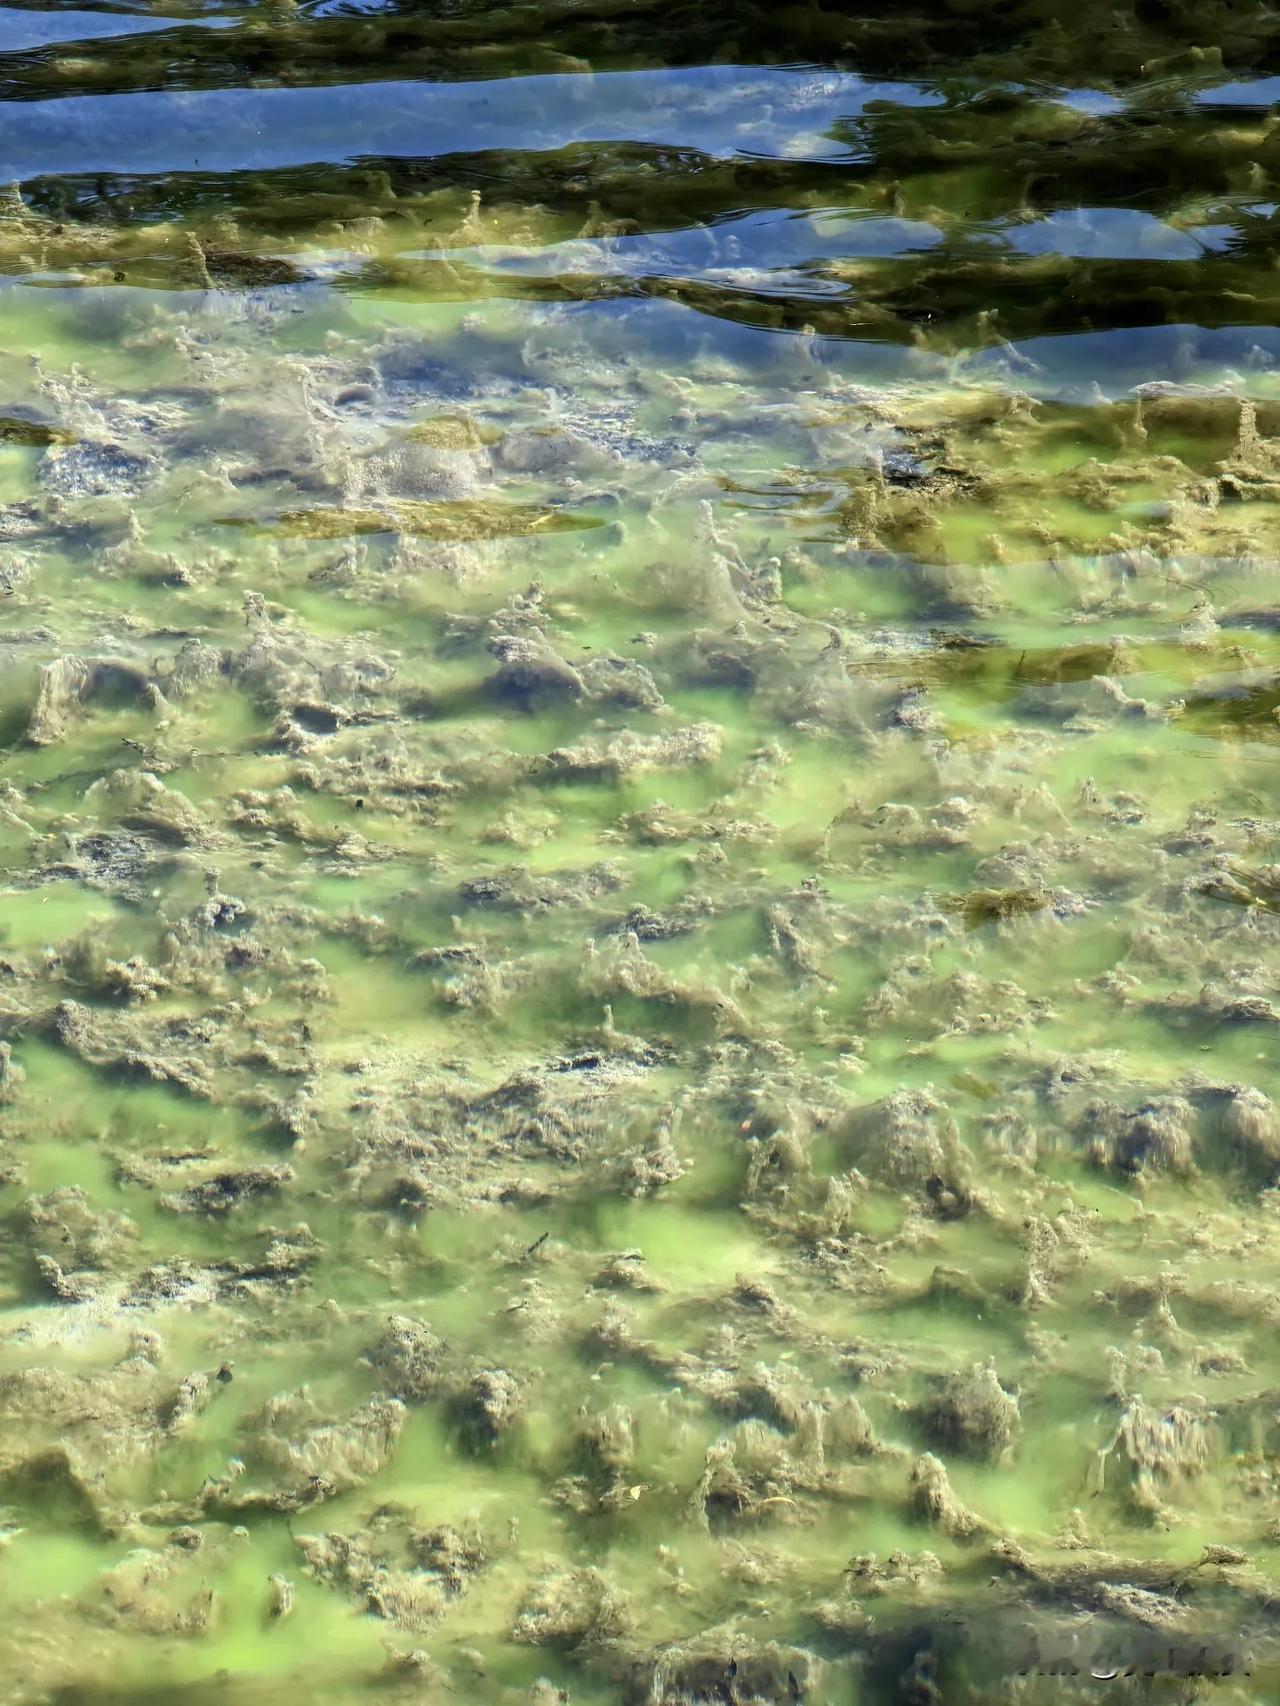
[639, 853]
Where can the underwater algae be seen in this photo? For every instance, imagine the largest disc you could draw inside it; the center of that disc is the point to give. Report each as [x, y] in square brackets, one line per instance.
[639, 923]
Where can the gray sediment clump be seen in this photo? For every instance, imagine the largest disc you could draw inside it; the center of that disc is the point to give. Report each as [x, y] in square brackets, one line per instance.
[12, 1075]
[156, 1592]
[649, 925]
[280, 1597]
[723, 1660]
[227, 1191]
[621, 968]
[909, 1140]
[453, 1556]
[143, 804]
[487, 1407]
[308, 1453]
[759, 1475]
[578, 1610]
[112, 1044]
[418, 470]
[660, 824]
[1163, 1450]
[95, 470]
[533, 673]
[68, 684]
[625, 752]
[932, 1501]
[1248, 1124]
[972, 1412]
[363, 1567]
[1158, 1134]
[530, 670]
[518, 889]
[622, 682]
[62, 1222]
[410, 1358]
[81, 1433]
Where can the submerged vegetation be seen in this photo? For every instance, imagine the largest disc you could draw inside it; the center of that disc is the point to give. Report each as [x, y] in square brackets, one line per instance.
[639, 941]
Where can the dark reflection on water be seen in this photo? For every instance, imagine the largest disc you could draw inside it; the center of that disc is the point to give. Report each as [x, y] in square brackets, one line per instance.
[879, 175]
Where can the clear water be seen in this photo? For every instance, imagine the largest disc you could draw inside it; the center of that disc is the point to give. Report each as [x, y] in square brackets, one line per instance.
[639, 953]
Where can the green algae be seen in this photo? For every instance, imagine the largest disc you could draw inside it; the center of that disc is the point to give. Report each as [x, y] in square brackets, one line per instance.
[639, 1014]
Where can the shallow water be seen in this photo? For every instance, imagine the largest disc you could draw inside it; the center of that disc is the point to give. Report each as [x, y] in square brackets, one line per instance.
[639, 905]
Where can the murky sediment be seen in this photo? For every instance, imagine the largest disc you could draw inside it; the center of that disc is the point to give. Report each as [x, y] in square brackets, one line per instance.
[640, 919]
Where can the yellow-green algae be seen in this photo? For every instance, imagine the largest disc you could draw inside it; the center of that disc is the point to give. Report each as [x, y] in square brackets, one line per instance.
[639, 1015]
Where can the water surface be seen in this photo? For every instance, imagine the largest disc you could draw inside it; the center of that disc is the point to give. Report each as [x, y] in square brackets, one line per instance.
[639, 961]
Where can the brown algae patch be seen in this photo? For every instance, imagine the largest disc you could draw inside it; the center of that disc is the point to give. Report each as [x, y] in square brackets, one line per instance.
[460, 522]
[32, 434]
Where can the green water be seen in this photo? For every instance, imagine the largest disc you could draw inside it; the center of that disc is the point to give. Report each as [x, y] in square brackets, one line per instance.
[639, 853]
